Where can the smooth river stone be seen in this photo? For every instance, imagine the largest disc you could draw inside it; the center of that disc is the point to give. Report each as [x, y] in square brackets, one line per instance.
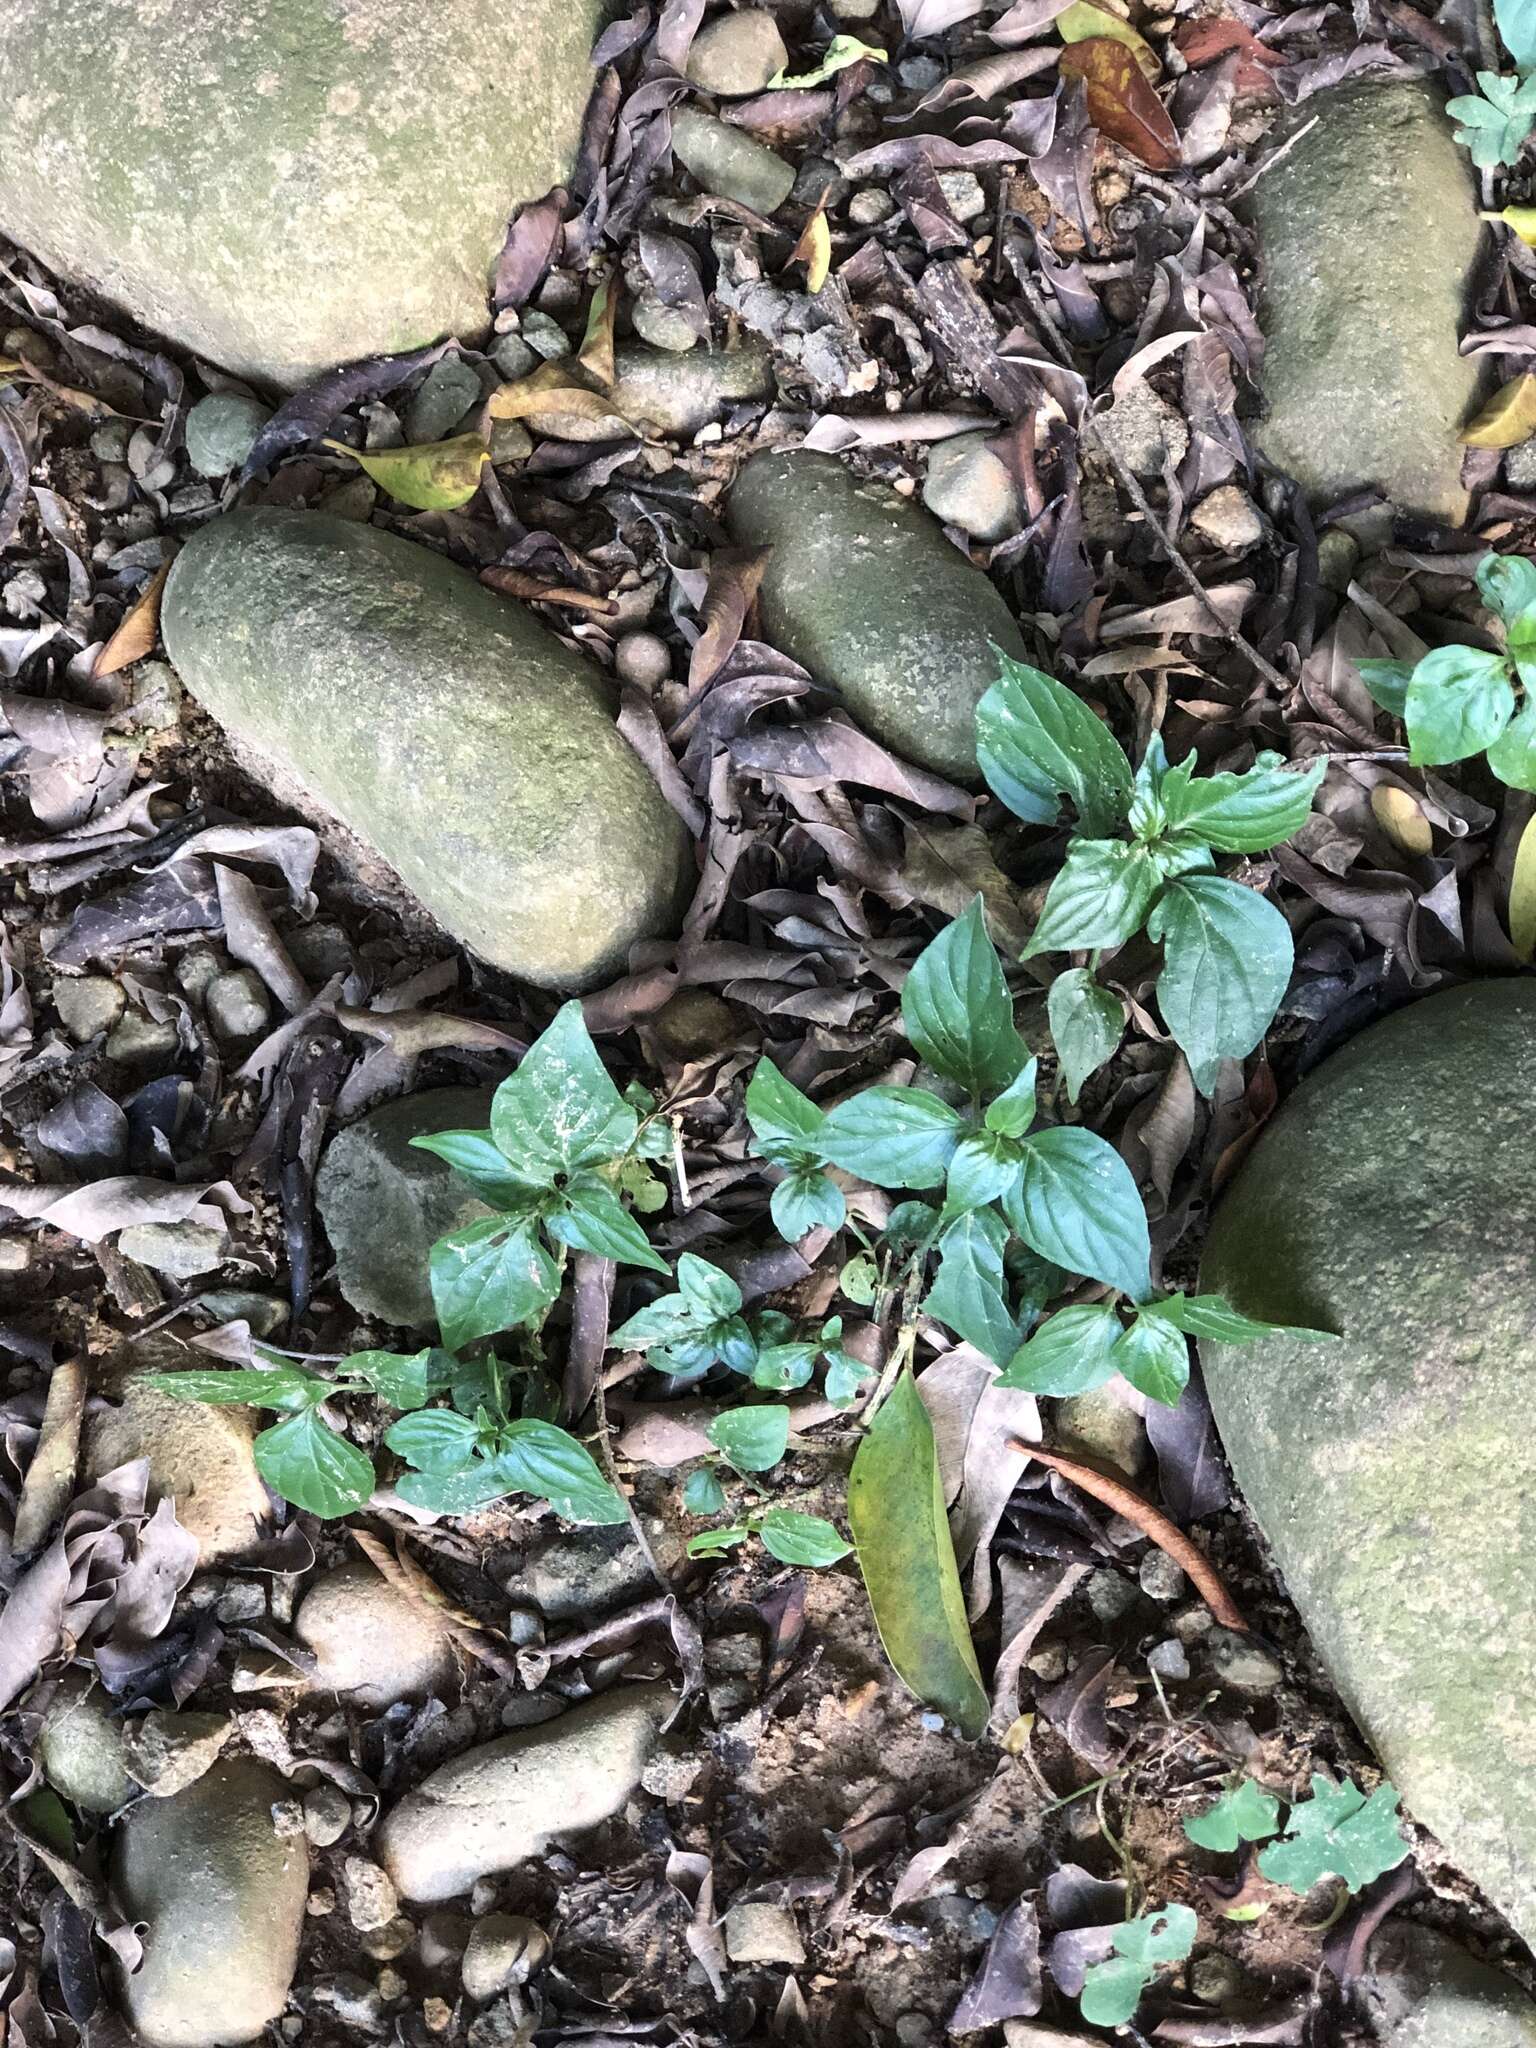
[1367, 232]
[1393, 1200]
[863, 589]
[450, 731]
[284, 185]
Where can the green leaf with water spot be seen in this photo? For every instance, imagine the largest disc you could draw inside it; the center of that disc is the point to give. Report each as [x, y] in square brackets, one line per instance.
[1227, 959]
[1038, 742]
[957, 1011]
[1087, 1023]
[1245, 1812]
[560, 1110]
[1338, 1832]
[313, 1466]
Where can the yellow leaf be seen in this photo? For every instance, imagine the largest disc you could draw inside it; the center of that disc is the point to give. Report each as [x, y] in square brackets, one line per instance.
[1520, 220]
[551, 389]
[814, 250]
[1082, 22]
[1401, 819]
[1522, 896]
[596, 352]
[1508, 418]
[841, 52]
[438, 477]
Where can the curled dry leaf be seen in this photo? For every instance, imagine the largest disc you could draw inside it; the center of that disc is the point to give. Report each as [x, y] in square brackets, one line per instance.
[140, 628]
[734, 577]
[1508, 418]
[814, 249]
[1121, 102]
[93, 1212]
[50, 1477]
[553, 390]
[596, 352]
[401, 1572]
[1124, 1500]
[532, 590]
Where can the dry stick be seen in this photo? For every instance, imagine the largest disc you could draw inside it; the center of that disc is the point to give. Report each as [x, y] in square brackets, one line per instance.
[1125, 1500]
[1270, 161]
[611, 1473]
[1143, 505]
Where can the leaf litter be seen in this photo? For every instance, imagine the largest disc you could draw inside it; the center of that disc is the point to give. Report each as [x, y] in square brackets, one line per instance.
[1106, 266]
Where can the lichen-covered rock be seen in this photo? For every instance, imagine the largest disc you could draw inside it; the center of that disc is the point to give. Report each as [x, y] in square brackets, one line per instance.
[1422, 1991]
[728, 161]
[80, 1747]
[370, 1643]
[495, 1806]
[1367, 230]
[287, 185]
[863, 589]
[222, 1894]
[1394, 1200]
[385, 1203]
[442, 724]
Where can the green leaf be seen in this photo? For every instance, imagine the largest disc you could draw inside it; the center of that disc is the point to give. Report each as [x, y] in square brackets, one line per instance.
[844, 1377]
[403, 1381]
[1014, 1110]
[1338, 1832]
[457, 1492]
[1512, 757]
[860, 1280]
[907, 1558]
[1077, 1204]
[1087, 1024]
[957, 1011]
[985, 1164]
[537, 1457]
[1068, 1354]
[1497, 124]
[1459, 701]
[1245, 1812]
[1516, 23]
[476, 1155]
[309, 1464]
[1387, 682]
[893, 1137]
[1507, 583]
[1037, 743]
[561, 1111]
[794, 1538]
[702, 1492]
[1100, 897]
[707, 1290]
[753, 1439]
[838, 55]
[1112, 1991]
[969, 1294]
[1212, 1316]
[663, 1321]
[488, 1277]
[434, 1439]
[438, 476]
[785, 1123]
[1227, 958]
[1154, 1357]
[806, 1200]
[781, 1368]
[1165, 1935]
[283, 1387]
[1246, 813]
[709, 1542]
[593, 1219]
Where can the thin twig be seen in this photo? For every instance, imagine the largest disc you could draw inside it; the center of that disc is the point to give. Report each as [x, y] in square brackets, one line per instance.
[611, 1473]
[1271, 160]
[1143, 505]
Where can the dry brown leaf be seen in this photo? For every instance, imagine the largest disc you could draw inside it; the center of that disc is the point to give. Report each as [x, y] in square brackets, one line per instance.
[136, 636]
[552, 388]
[50, 1479]
[518, 583]
[1121, 102]
[734, 577]
[596, 352]
[400, 1571]
[1082, 22]
[1508, 418]
[1151, 1521]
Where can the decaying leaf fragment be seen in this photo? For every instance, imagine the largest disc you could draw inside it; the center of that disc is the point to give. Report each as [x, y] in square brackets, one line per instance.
[1082, 22]
[814, 250]
[1121, 102]
[1522, 896]
[140, 628]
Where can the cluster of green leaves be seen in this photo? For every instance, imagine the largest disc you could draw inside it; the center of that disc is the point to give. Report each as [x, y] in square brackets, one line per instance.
[464, 1455]
[1496, 123]
[1113, 1989]
[701, 1325]
[1142, 857]
[1457, 701]
[1081, 1347]
[1337, 1832]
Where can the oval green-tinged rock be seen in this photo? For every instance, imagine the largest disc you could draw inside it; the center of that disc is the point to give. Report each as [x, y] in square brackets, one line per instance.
[284, 185]
[442, 724]
[863, 589]
[1394, 1200]
[1368, 228]
[222, 1894]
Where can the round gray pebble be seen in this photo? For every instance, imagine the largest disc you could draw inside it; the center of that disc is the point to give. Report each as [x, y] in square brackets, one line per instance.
[222, 430]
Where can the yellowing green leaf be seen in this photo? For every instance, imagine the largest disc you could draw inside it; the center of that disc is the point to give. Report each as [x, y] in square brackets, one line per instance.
[841, 52]
[814, 250]
[596, 353]
[901, 1534]
[1400, 817]
[1508, 418]
[1082, 22]
[1520, 220]
[438, 477]
[1522, 896]
[554, 390]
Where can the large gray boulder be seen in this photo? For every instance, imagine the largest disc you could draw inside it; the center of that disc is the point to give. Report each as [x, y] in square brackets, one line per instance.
[283, 185]
[385, 1203]
[1422, 1991]
[863, 589]
[223, 1896]
[497, 1805]
[1394, 1200]
[442, 724]
[1367, 230]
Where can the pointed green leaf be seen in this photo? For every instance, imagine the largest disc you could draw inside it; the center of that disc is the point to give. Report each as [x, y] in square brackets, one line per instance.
[477, 1156]
[806, 1200]
[1387, 682]
[488, 1277]
[404, 1381]
[1247, 813]
[1068, 1354]
[1458, 702]
[1227, 959]
[1100, 898]
[308, 1463]
[1212, 1316]
[537, 1457]
[560, 1111]
[893, 1137]
[593, 1219]
[753, 1439]
[784, 1122]
[434, 1439]
[1077, 1205]
[984, 1166]
[957, 1010]
[1037, 742]
[1154, 1357]
[1087, 1023]
[1013, 1111]
[796, 1538]
[969, 1294]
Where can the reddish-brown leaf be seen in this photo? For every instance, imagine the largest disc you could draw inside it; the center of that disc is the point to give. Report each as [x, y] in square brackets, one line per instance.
[140, 628]
[1121, 103]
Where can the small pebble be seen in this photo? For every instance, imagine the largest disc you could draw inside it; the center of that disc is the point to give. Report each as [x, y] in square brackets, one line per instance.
[287, 1818]
[242, 1600]
[763, 1933]
[1241, 1663]
[1049, 1662]
[1160, 1577]
[110, 441]
[1110, 1596]
[444, 1937]
[436, 2015]
[1216, 1980]
[514, 358]
[139, 1041]
[869, 206]
[737, 53]
[391, 1985]
[222, 430]
[355, 2002]
[1228, 520]
[237, 1004]
[327, 1814]
[1192, 1622]
[963, 194]
[372, 1901]
[505, 1949]
[970, 487]
[663, 326]
[1169, 1660]
[88, 1004]
[383, 1944]
[643, 659]
[321, 1901]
